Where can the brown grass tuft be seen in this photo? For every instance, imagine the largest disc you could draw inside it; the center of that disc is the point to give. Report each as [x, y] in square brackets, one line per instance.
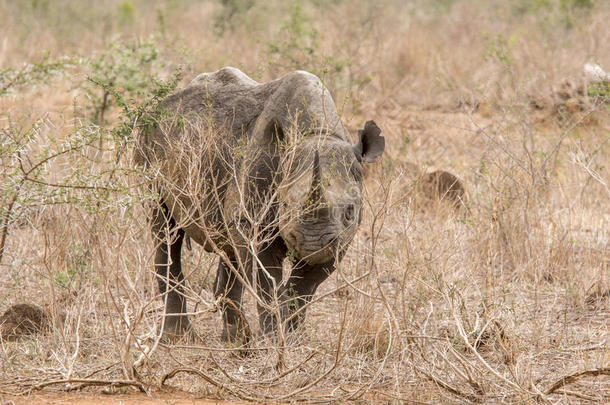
[21, 320]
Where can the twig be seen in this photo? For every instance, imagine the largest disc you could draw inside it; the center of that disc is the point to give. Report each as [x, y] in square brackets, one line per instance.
[564, 135]
[91, 374]
[321, 296]
[188, 370]
[474, 351]
[222, 349]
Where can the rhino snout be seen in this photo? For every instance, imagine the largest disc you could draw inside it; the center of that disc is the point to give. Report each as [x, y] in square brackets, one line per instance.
[317, 236]
[314, 248]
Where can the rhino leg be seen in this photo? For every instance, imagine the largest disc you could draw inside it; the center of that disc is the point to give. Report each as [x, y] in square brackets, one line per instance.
[169, 240]
[227, 287]
[300, 288]
[272, 258]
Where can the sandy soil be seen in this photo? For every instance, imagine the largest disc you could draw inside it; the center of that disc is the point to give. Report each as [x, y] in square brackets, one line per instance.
[52, 398]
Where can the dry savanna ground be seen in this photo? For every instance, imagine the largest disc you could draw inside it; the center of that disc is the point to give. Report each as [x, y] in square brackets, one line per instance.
[501, 298]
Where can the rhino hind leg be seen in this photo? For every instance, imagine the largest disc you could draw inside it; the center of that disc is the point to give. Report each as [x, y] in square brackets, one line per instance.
[169, 274]
[229, 289]
[300, 288]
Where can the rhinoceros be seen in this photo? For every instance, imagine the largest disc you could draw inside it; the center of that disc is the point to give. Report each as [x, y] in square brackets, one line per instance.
[257, 173]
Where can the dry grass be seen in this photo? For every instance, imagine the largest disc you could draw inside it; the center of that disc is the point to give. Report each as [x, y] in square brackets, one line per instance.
[495, 303]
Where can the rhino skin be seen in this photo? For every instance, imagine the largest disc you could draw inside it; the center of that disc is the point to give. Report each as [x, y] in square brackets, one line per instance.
[229, 149]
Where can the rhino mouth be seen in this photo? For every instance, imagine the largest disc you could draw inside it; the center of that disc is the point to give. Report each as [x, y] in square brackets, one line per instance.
[314, 249]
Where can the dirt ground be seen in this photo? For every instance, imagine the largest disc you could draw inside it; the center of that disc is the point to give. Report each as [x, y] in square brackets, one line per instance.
[51, 398]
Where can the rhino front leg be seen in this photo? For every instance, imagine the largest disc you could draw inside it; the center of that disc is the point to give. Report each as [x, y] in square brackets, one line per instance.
[299, 290]
[169, 240]
[229, 289]
[272, 258]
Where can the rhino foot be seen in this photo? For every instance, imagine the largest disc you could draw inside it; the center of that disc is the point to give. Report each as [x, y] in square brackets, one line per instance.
[238, 336]
[178, 329]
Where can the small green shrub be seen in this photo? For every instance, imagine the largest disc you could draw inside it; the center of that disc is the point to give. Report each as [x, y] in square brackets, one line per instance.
[298, 48]
[601, 89]
[127, 12]
[12, 78]
[130, 68]
[127, 75]
[298, 40]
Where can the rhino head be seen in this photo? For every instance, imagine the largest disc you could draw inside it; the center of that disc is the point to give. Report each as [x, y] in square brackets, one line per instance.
[320, 195]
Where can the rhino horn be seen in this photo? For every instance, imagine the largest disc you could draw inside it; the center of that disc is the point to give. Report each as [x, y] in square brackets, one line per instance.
[315, 194]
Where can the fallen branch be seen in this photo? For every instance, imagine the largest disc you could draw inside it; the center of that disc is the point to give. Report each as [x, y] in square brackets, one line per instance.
[577, 395]
[187, 370]
[87, 382]
[449, 388]
[268, 383]
[206, 378]
[569, 379]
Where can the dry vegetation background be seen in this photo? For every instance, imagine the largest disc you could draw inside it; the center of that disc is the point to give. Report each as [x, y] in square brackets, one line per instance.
[497, 302]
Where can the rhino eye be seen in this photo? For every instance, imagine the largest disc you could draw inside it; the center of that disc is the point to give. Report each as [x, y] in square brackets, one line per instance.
[348, 215]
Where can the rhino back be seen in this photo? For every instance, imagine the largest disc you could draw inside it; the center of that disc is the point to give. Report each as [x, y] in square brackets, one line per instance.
[240, 106]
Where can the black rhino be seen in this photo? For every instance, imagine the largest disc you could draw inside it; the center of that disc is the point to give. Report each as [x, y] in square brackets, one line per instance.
[255, 172]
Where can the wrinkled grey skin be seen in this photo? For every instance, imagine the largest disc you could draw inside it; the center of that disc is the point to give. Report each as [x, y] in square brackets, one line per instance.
[304, 164]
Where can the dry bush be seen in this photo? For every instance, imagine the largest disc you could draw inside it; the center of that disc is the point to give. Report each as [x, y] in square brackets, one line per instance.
[503, 301]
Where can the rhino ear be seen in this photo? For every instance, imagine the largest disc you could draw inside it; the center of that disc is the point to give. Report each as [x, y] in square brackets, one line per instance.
[370, 144]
